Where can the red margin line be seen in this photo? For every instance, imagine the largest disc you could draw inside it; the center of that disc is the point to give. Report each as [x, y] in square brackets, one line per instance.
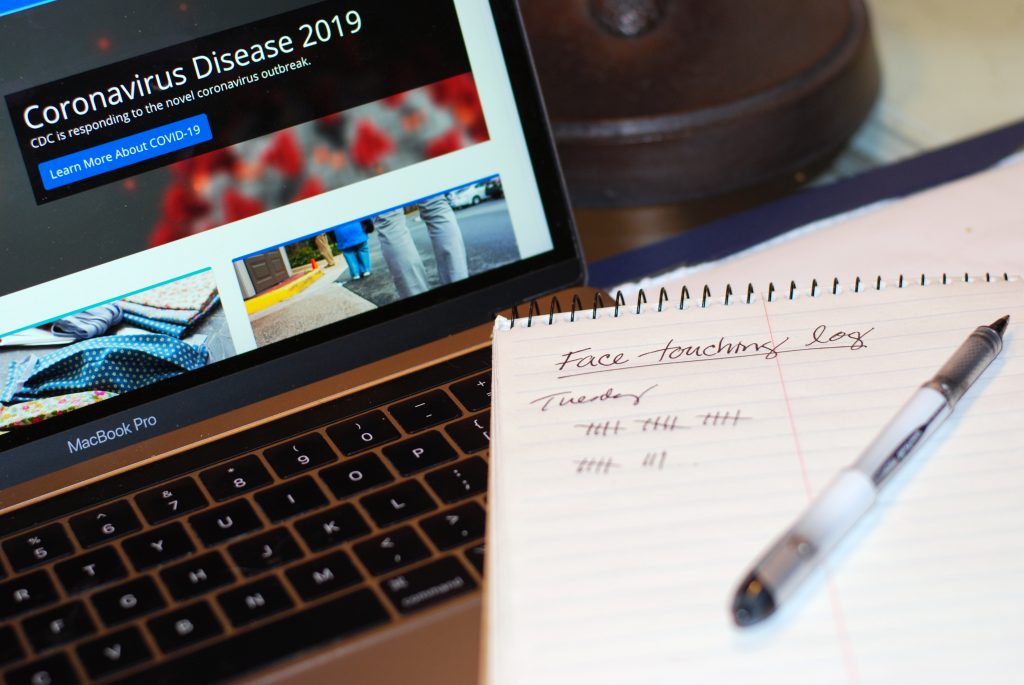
[845, 646]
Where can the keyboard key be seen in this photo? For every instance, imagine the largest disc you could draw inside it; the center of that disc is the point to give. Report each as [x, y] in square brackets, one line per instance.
[58, 625]
[362, 432]
[158, 546]
[471, 434]
[323, 576]
[106, 523]
[265, 644]
[459, 481]
[37, 547]
[25, 593]
[456, 526]
[236, 477]
[226, 522]
[332, 527]
[129, 600]
[90, 570]
[196, 576]
[424, 411]
[170, 500]
[298, 455]
[421, 587]
[53, 670]
[420, 452]
[475, 555]
[356, 475]
[265, 551]
[254, 601]
[114, 652]
[475, 392]
[291, 499]
[184, 627]
[398, 503]
[392, 550]
[10, 648]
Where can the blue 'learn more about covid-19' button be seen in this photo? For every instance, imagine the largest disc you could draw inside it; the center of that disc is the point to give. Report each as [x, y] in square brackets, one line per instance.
[126, 151]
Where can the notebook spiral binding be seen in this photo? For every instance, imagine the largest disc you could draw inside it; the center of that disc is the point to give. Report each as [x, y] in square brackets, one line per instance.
[576, 306]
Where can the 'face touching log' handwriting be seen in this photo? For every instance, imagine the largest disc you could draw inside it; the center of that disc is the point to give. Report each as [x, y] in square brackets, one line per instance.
[585, 361]
[568, 398]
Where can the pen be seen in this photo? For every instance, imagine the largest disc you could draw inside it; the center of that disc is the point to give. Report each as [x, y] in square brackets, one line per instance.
[779, 572]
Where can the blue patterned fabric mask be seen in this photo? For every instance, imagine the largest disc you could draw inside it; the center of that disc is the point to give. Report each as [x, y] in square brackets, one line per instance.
[116, 363]
[88, 324]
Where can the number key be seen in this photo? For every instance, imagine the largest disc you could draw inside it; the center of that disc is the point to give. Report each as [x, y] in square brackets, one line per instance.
[168, 501]
[106, 523]
[37, 547]
[362, 432]
[301, 454]
[236, 477]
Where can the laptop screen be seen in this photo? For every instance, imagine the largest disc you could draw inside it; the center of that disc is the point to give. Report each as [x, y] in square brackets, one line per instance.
[190, 189]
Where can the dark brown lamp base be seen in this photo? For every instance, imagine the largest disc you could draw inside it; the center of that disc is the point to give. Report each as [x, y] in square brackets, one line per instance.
[662, 101]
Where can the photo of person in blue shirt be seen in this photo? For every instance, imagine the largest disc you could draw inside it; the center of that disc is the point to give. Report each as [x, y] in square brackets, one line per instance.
[354, 247]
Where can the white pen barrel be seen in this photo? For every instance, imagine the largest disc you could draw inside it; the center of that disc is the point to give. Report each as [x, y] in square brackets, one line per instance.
[836, 509]
[914, 422]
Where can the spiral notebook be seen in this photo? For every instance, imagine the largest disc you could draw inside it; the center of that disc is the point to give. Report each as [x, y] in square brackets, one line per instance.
[644, 454]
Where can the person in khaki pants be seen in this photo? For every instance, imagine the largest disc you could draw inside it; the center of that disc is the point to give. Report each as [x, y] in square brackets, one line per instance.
[325, 249]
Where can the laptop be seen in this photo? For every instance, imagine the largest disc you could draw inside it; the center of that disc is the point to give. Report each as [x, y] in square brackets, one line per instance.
[251, 254]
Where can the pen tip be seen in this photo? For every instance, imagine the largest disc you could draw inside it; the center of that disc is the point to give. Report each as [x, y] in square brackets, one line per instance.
[1000, 325]
[753, 602]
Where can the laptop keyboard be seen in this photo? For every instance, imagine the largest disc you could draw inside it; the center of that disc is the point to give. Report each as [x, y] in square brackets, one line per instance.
[309, 529]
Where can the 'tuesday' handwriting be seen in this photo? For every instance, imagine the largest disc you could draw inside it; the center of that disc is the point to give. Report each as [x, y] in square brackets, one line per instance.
[568, 398]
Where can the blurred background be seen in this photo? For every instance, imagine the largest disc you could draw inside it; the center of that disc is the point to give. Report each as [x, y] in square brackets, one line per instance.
[680, 112]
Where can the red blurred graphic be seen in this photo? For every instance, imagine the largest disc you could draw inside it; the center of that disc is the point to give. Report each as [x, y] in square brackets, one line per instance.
[372, 145]
[297, 163]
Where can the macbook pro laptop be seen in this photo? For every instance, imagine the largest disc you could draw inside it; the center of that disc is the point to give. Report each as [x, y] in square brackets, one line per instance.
[250, 253]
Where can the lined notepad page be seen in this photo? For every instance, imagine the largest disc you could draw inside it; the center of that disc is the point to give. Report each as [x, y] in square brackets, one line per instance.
[641, 463]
